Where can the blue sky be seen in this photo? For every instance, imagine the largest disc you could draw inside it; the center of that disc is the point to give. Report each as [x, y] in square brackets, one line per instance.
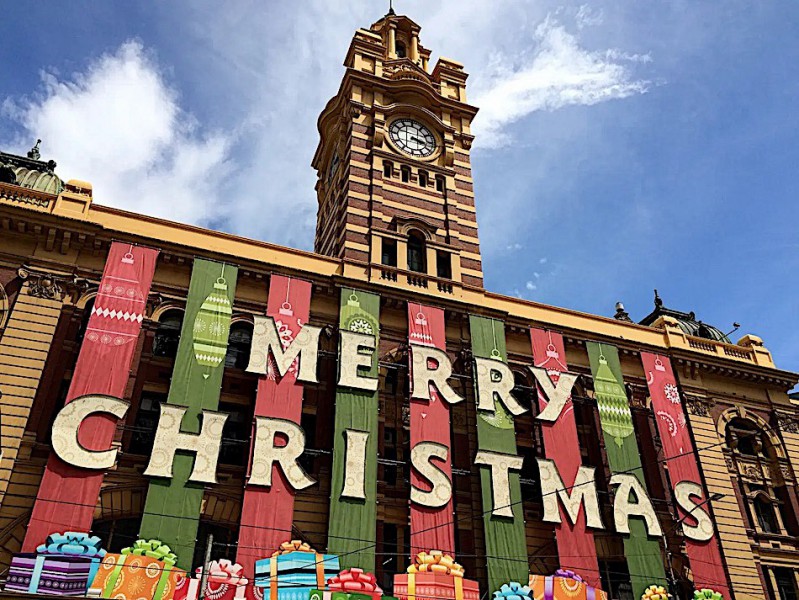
[621, 146]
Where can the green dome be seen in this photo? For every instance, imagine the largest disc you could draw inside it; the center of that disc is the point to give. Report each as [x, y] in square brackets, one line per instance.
[687, 322]
[30, 172]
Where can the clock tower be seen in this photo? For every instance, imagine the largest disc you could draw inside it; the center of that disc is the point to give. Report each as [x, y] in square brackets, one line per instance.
[394, 181]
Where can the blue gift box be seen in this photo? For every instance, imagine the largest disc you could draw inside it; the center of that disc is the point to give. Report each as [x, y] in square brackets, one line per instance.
[292, 575]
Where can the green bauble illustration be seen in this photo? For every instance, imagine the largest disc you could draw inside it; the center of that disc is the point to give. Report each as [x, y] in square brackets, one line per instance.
[212, 326]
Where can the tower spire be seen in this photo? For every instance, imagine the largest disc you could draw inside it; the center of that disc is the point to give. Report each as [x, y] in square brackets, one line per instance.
[391, 8]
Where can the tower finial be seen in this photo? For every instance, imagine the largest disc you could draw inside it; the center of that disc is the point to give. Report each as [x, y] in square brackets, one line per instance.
[658, 301]
[34, 153]
[391, 8]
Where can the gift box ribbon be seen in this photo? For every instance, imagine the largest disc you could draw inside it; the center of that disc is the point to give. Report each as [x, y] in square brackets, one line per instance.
[513, 591]
[72, 543]
[225, 572]
[655, 592]
[354, 580]
[295, 546]
[435, 561]
[707, 594]
[151, 549]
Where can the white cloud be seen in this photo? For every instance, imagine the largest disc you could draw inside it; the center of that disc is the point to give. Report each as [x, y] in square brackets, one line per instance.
[559, 73]
[119, 126]
[542, 261]
[531, 286]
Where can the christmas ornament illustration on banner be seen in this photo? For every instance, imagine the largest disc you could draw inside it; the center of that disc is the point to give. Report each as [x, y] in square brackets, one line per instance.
[120, 300]
[500, 418]
[212, 326]
[614, 409]
[356, 319]
[288, 326]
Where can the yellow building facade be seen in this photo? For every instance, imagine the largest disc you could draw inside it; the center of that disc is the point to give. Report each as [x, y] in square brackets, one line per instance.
[397, 220]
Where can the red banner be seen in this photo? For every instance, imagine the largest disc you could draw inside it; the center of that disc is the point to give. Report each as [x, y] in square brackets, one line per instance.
[680, 457]
[267, 514]
[431, 528]
[576, 547]
[68, 495]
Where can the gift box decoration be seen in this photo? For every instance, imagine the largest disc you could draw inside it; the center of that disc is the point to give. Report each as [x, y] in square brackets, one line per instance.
[293, 571]
[707, 594]
[144, 571]
[224, 582]
[356, 583]
[655, 592]
[63, 566]
[513, 591]
[435, 576]
[563, 585]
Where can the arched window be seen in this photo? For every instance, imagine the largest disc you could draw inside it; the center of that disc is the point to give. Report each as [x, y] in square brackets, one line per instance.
[84, 321]
[238, 347]
[402, 52]
[424, 179]
[417, 252]
[388, 168]
[168, 334]
[4, 307]
[117, 533]
[764, 511]
[405, 174]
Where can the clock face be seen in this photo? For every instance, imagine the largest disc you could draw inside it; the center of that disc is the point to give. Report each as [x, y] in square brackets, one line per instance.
[412, 137]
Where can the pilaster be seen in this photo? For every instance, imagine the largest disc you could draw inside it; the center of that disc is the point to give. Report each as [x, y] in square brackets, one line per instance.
[740, 561]
[24, 348]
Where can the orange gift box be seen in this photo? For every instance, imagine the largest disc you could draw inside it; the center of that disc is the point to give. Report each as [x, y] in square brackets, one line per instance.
[135, 577]
[563, 588]
[435, 576]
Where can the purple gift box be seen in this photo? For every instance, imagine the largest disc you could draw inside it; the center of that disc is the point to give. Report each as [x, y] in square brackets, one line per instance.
[54, 575]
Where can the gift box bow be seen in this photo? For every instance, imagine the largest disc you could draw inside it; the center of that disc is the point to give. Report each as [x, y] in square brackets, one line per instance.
[707, 594]
[224, 571]
[436, 561]
[152, 549]
[354, 580]
[656, 592]
[72, 543]
[513, 591]
[293, 546]
[569, 575]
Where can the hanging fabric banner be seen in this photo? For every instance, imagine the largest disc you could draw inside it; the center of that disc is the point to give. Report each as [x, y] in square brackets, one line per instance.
[352, 529]
[642, 552]
[68, 495]
[506, 546]
[679, 452]
[576, 547]
[267, 513]
[172, 507]
[431, 528]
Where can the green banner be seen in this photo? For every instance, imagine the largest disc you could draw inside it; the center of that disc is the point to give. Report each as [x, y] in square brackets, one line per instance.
[506, 546]
[643, 555]
[352, 521]
[172, 508]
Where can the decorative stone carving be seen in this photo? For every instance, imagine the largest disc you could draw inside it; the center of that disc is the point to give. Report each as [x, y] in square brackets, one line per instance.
[788, 422]
[698, 406]
[52, 287]
[25, 196]
[42, 285]
[729, 462]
